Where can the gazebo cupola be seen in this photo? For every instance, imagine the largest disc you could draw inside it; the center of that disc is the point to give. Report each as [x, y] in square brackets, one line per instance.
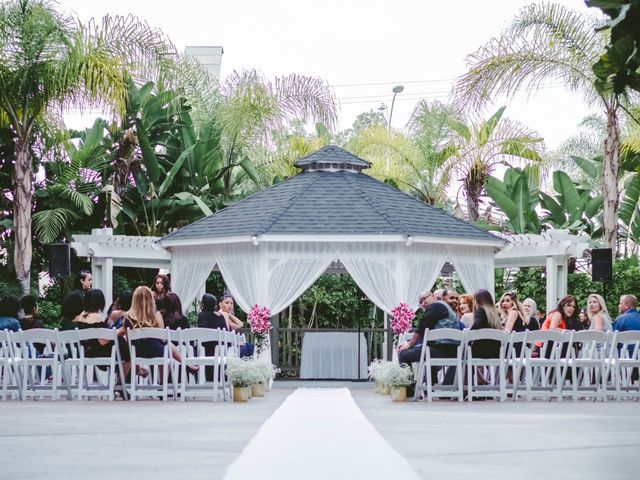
[331, 159]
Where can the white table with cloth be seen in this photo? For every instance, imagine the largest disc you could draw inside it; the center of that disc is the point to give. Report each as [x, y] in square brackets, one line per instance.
[333, 355]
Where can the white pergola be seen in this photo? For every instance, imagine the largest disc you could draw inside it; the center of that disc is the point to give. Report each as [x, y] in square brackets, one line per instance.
[552, 250]
[106, 250]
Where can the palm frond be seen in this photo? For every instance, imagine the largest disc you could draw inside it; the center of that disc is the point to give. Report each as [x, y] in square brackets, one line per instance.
[545, 42]
[48, 225]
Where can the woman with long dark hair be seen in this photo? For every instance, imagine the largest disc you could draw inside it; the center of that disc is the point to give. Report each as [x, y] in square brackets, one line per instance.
[161, 286]
[172, 312]
[92, 317]
[485, 315]
[564, 317]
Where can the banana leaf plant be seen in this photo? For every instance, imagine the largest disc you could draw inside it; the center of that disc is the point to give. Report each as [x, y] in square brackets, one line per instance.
[517, 197]
[166, 173]
[630, 201]
[574, 207]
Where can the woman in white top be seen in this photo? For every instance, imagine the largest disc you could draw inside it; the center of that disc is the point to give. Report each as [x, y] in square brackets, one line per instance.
[599, 317]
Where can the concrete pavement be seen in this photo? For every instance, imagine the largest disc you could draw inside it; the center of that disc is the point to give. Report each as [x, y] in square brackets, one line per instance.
[192, 440]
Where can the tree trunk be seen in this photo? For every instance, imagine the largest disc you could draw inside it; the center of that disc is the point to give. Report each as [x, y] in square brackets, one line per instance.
[472, 207]
[23, 192]
[610, 179]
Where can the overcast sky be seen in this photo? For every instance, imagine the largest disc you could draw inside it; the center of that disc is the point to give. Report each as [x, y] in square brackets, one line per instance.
[360, 47]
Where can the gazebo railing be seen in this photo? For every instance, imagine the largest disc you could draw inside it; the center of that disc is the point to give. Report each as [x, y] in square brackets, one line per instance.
[287, 349]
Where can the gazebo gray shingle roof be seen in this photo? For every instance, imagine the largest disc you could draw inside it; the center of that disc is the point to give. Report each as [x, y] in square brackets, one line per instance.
[330, 203]
[331, 155]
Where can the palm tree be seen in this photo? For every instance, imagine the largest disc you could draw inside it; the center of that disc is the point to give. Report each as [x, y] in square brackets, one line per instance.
[49, 61]
[252, 108]
[544, 42]
[481, 146]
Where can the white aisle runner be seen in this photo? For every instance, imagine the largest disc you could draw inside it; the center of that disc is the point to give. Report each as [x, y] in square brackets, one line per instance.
[319, 433]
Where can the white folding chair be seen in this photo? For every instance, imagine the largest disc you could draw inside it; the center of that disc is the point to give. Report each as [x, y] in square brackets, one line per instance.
[193, 351]
[69, 346]
[493, 370]
[9, 368]
[543, 364]
[586, 363]
[626, 362]
[84, 372]
[425, 382]
[158, 368]
[42, 374]
[515, 362]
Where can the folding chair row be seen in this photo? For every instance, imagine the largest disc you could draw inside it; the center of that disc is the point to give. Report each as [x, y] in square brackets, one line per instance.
[538, 364]
[43, 363]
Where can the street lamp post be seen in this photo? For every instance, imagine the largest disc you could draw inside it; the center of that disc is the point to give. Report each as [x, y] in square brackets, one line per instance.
[396, 90]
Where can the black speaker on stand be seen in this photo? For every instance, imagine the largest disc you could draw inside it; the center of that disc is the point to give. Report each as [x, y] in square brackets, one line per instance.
[602, 267]
[60, 263]
[59, 260]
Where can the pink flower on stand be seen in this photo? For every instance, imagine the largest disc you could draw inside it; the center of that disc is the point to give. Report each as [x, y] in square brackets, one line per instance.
[402, 318]
[258, 319]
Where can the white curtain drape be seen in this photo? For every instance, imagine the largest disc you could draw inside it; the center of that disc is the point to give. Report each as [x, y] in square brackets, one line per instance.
[475, 266]
[190, 268]
[391, 273]
[271, 274]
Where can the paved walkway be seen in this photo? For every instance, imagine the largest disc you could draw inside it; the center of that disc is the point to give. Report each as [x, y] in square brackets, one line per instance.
[156, 440]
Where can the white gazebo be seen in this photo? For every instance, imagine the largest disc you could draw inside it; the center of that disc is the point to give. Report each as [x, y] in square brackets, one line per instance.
[273, 246]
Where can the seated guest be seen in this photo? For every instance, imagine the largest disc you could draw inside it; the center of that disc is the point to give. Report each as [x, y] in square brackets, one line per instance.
[208, 316]
[516, 320]
[92, 317]
[143, 314]
[234, 323]
[465, 310]
[564, 316]
[30, 318]
[451, 298]
[436, 315]
[172, 312]
[82, 282]
[161, 286]
[226, 309]
[530, 310]
[598, 314]
[119, 309]
[72, 306]
[485, 315]
[629, 318]
[9, 307]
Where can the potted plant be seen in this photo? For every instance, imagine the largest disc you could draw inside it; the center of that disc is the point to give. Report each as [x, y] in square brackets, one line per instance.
[242, 376]
[266, 373]
[375, 373]
[398, 377]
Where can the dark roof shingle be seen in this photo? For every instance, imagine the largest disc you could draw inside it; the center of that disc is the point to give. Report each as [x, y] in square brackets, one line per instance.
[330, 203]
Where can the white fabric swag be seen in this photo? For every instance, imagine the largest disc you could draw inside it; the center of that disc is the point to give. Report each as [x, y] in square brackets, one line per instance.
[272, 274]
[391, 273]
[190, 268]
[475, 267]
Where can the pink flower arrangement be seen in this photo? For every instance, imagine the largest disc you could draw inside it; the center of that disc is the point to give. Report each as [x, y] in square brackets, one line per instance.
[258, 319]
[402, 318]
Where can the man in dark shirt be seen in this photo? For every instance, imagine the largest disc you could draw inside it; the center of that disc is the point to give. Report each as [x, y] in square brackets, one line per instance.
[434, 311]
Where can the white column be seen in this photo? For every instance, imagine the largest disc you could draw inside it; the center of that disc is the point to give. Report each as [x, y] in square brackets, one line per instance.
[107, 281]
[562, 277]
[552, 283]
